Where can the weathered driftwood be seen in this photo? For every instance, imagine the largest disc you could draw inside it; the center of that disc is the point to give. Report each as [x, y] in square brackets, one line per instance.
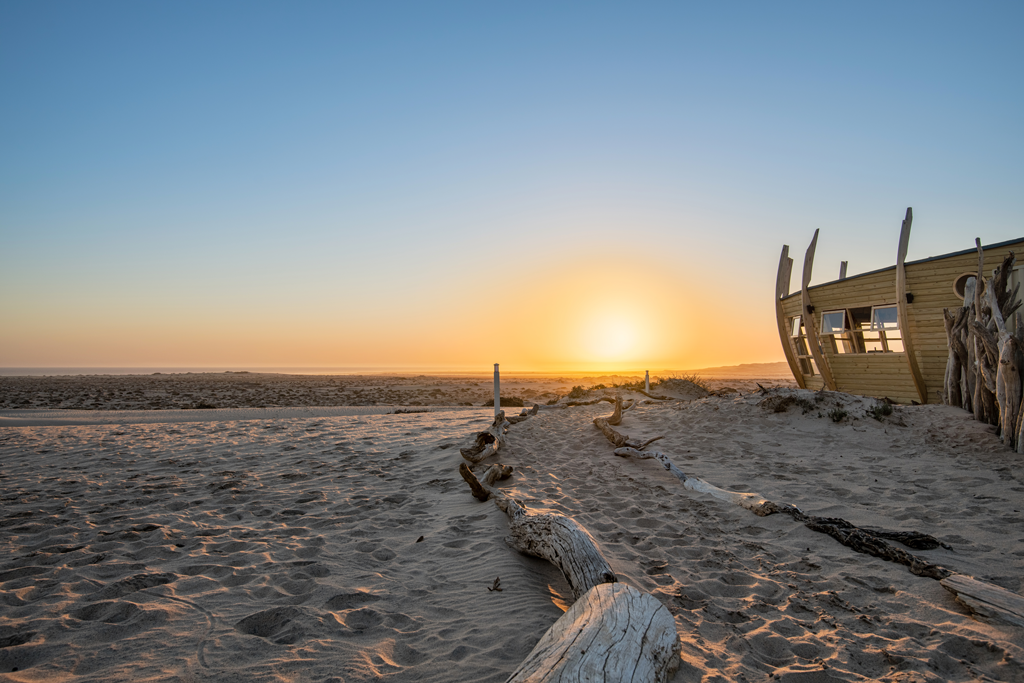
[560, 540]
[604, 399]
[985, 356]
[612, 633]
[523, 415]
[750, 501]
[978, 597]
[654, 396]
[481, 487]
[487, 442]
[871, 541]
[1008, 387]
[616, 416]
[621, 440]
[985, 599]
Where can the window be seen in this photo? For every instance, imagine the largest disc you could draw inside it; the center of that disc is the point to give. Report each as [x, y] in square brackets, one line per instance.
[835, 333]
[798, 338]
[883, 334]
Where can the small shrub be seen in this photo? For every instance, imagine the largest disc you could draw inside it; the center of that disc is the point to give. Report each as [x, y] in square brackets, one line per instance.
[806, 405]
[507, 402]
[777, 404]
[550, 403]
[837, 414]
[577, 392]
[879, 410]
[693, 378]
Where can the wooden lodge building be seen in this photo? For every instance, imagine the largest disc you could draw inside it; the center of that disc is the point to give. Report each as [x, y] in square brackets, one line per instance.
[881, 333]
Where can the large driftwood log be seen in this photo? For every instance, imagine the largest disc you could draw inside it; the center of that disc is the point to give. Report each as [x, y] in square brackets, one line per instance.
[487, 442]
[986, 599]
[560, 540]
[614, 633]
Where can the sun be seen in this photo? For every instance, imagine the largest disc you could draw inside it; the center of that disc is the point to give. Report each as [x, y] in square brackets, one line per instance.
[610, 340]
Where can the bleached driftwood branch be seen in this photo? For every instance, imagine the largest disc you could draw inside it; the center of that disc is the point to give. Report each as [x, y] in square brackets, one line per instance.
[489, 441]
[978, 597]
[749, 501]
[620, 440]
[481, 487]
[560, 540]
[524, 415]
[613, 633]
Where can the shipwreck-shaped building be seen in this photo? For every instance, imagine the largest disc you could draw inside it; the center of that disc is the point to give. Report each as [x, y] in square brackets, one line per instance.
[880, 333]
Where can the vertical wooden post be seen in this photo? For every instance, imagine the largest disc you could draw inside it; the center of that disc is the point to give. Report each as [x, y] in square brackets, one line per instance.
[842, 270]
[647, 381]
[782, 291]
[809, 318]
[901, 306]
[497, 391]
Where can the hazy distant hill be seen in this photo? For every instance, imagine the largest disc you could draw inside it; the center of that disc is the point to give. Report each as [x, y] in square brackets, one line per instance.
[748, 371]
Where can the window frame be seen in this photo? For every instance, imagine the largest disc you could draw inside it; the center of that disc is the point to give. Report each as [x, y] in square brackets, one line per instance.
[884, 332]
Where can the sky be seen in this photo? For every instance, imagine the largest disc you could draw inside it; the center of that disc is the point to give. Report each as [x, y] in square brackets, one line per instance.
[551, 186]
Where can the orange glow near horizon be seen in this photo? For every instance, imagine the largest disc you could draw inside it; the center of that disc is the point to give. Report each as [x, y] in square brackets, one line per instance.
[593, 313]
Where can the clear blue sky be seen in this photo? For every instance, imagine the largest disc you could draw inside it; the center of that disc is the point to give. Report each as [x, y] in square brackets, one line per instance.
[216, 170]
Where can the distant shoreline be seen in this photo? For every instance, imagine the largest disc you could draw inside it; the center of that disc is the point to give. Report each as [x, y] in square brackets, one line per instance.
[746, 370]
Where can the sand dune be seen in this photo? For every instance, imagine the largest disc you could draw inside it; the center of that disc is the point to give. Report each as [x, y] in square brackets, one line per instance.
[288, 547]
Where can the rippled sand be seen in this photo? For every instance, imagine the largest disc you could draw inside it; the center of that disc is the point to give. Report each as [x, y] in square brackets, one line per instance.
[288, 547]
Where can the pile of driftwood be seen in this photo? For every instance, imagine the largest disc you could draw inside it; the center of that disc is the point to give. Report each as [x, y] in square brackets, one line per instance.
[983, 368]
[612, 632]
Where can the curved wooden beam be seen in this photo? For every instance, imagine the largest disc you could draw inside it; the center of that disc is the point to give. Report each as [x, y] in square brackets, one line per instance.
[782, 290]
[807, 315]
[901, 307]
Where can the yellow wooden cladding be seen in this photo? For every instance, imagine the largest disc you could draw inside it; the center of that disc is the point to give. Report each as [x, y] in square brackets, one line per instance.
[930, 282]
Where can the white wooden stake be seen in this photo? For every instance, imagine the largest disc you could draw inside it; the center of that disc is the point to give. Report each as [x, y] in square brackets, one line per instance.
[647, 381]
[497, 390]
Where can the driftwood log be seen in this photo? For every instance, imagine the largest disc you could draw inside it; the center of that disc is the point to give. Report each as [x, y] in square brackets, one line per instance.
[978, 597]
[524, 415]
[489, 441]
[986, 600]
[871, 541]
[481, 488]
[613, 633]
[560, 540]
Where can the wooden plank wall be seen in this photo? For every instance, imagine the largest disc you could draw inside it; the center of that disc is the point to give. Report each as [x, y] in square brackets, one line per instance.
[931, 283]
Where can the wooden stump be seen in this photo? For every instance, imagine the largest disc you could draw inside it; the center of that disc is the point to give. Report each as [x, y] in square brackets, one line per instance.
[613, 634]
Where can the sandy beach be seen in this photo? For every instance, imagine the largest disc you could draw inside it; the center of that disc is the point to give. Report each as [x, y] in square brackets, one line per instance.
[263, 543]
